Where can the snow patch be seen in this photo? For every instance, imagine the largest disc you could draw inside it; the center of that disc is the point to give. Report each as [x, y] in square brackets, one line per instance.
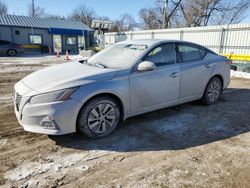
[76, 57]
[18, 69]
[26, 170]
[240, 74]
[54, 164]
[3, 141]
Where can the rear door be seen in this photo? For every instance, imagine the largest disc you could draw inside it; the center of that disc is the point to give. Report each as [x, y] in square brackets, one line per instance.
[159, 87]
[194, 70]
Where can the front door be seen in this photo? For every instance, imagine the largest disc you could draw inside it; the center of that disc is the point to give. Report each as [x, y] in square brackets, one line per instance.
[159, 87]
[57, 43]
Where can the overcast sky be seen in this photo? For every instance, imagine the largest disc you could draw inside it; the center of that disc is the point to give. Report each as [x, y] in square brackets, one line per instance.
[110, 8]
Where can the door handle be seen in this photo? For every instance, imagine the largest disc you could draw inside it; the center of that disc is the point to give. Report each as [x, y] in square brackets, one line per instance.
[174, 74]
[207, 65]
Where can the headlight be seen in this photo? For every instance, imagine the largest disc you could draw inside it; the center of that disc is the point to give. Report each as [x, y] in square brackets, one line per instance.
[60, 95]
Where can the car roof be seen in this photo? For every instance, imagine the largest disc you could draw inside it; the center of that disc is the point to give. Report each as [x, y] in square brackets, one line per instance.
[150, 42]
[147, 42]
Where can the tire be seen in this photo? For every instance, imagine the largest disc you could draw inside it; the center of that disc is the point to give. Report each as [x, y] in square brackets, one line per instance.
[11, 52]
[212, 92]
[95, 123]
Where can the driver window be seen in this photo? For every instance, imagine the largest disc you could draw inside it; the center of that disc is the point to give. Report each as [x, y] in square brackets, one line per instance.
[163, 54]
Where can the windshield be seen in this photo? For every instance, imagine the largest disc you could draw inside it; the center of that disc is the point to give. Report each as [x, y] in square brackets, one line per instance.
[118, 56]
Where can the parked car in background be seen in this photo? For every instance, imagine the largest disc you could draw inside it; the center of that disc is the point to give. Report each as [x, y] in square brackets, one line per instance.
[124, 80]
[9, 48]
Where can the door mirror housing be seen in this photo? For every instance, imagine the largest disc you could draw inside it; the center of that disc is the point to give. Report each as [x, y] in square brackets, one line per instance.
[146, 66]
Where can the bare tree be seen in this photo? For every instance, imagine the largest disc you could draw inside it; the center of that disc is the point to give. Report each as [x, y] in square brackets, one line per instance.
[84, 14]
[126, 22]
[233, 12]
[150, 18]
[209, 12]
[168, 10]
[3, 8]
[104, 18]
[55, 17]
[160, 15]
[35, 11]
[192, 13]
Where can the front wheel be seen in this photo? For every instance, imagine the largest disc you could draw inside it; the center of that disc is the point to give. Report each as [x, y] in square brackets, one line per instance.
[212, 91]
[99, 117]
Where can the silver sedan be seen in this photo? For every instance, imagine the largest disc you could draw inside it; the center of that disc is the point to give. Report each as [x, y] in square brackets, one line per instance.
[124, 80]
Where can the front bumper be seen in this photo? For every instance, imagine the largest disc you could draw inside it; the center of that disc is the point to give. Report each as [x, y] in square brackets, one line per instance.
[34, 117]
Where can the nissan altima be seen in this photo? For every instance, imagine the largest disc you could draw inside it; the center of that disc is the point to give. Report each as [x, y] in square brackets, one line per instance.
[123, 80]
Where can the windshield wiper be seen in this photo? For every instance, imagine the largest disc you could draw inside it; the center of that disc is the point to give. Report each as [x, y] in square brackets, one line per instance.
[83, 61]
[101, 65]
[97, 64]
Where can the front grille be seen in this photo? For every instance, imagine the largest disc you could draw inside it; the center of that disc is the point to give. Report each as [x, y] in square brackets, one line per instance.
[18, 99]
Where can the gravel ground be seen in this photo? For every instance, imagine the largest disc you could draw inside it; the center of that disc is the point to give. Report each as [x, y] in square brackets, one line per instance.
[195, 146]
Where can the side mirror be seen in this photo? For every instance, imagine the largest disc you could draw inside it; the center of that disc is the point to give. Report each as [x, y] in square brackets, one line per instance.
[146, 66]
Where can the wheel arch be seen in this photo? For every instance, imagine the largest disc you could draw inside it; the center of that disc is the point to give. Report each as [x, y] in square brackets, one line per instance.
[104, 94]
[213, 76]
[220, 77]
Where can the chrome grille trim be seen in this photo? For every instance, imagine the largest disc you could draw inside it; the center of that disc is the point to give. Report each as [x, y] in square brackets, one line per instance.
[18, 99]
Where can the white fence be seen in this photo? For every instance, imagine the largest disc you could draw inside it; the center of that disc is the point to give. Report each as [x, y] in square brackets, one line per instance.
[224, 39]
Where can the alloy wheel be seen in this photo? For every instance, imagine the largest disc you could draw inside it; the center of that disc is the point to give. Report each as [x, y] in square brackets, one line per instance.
[214, 90]
[101, 118]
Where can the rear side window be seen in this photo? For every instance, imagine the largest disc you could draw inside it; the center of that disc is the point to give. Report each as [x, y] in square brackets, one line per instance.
[163, 54]
[189, 53]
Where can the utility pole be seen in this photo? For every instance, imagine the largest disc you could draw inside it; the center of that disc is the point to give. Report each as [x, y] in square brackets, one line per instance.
[164, 14]
[33, 8]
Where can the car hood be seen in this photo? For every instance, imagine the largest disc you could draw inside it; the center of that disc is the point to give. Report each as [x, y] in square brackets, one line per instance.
[66, 75]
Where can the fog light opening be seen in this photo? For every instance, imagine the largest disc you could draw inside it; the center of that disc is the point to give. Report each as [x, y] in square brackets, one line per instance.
[49, 123]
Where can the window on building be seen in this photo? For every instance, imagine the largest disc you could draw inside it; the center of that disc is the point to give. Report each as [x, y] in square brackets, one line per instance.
[81, 42]
[35, 39]
[71, 40]
[17, 32]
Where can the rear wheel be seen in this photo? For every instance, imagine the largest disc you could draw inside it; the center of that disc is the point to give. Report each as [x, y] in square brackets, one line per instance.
[212, 91]
[11, 52]
[99, 117]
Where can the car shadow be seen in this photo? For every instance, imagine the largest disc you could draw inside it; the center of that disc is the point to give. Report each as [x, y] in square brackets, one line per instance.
[173, 129]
